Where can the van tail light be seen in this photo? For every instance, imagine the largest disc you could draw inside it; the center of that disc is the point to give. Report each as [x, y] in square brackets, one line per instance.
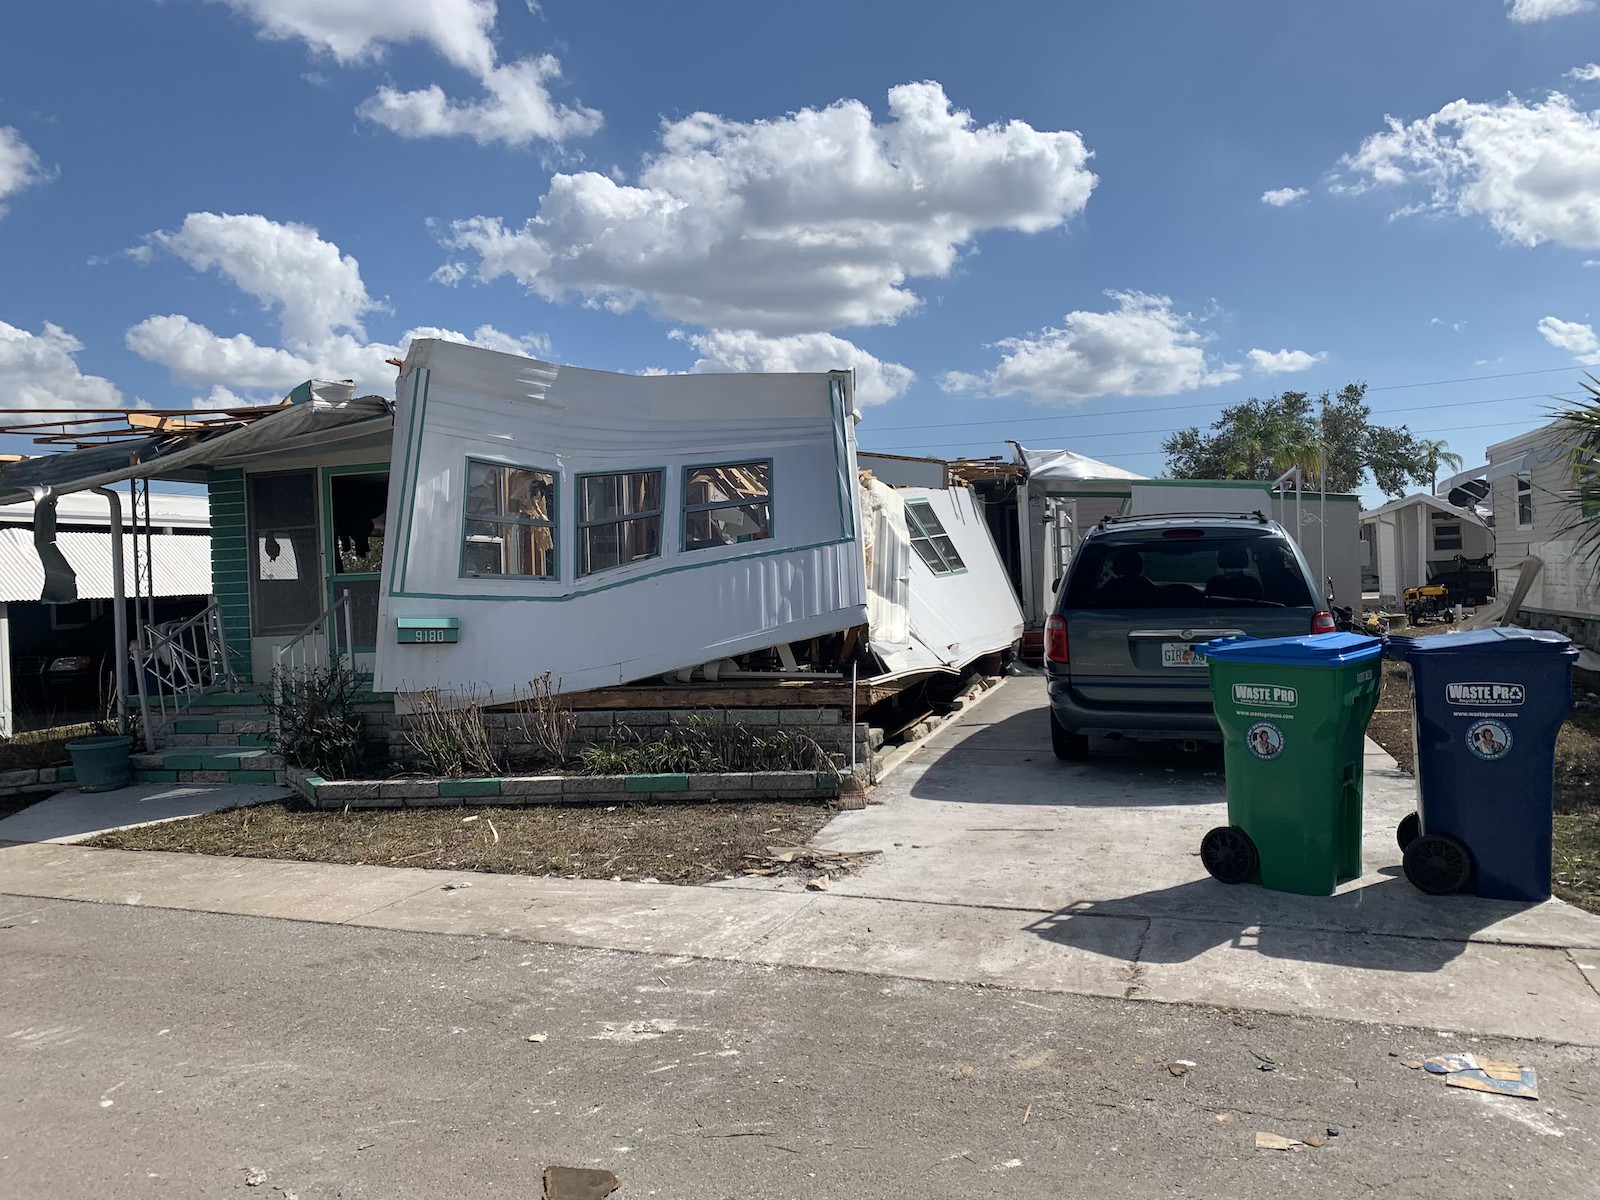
[1055, 639]
[1323, 623]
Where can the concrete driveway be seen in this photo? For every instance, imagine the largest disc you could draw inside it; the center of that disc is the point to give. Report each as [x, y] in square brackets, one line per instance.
[1105, 856]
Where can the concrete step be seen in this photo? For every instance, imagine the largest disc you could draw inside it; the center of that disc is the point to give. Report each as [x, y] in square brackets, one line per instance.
[218, 739]
[255, 723]
[209, 764]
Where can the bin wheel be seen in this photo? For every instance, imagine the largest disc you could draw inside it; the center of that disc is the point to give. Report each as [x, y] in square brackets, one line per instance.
[1069, 747]
[1229, 854]
[1437, 864]
[1410, 829]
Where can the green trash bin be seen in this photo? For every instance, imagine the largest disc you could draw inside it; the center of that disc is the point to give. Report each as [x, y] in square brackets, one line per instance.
[1293, 713]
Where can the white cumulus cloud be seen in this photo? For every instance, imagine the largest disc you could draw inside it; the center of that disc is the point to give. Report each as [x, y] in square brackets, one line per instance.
[517, 106]
[312, 286]
[1282, 362]
[1142, 347]
[40, 370]
[317, 295]
[1284, 196]
[1531, 170]
[1576, 339]
[877, 381]
[814, 220]
[518, 109]
[20, 166]
[1528, 11]
[1589, 73]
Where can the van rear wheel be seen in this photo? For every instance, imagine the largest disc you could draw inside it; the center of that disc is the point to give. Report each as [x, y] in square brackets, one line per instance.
[1069, 747]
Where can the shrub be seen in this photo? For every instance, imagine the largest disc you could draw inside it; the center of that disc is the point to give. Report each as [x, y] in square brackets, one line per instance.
[546, 720]
[699, 745]
[448, 735]
[315, 725]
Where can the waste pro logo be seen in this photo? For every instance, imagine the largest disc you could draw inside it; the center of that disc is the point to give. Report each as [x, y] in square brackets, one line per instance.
[1270, 694]
[1489, 740]
[1264, 740]
[1496, 695]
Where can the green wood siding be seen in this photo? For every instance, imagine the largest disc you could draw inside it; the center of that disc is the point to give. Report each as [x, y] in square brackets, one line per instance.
[230, 563]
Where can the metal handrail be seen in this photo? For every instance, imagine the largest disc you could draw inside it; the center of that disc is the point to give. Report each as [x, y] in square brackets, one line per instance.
[312, 647]
[177, 661]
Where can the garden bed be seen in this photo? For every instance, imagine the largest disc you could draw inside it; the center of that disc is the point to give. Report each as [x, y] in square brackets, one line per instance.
[671, 843]
[1576, 870]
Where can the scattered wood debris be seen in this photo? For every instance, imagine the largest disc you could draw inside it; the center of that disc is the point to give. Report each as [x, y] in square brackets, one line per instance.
[1485, 1075]
[789, 860]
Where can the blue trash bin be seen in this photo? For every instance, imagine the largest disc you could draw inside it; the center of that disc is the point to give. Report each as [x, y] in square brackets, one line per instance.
[1487, 706]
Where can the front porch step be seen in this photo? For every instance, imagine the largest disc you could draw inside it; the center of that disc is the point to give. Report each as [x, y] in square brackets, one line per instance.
[234, 723]
[209, 764]
[257, 740]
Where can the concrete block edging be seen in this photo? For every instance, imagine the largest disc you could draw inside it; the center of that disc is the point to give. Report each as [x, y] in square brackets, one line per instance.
[518, 790]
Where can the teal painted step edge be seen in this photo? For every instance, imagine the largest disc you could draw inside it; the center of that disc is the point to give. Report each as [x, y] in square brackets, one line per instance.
[469, 787]
[656, 783]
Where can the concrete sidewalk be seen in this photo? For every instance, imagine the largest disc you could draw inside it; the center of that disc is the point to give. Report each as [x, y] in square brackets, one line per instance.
[1000, 867]
[74, 816]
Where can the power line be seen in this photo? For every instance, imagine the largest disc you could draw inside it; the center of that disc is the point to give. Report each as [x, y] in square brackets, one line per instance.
[1133, 412]
[1394, 387]
[1156, 432]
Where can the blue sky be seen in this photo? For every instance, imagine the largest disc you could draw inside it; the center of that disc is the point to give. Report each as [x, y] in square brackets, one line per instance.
[1048, 222]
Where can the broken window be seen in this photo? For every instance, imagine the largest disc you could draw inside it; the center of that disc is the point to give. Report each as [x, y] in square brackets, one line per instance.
[727, 505]
[929, 539]
[511, 522]
[619, 519]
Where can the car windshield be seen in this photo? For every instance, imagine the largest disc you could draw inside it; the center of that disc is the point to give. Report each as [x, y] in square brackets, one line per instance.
[1205, 571]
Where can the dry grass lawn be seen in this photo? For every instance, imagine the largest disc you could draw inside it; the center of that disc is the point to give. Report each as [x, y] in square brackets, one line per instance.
[672, 843]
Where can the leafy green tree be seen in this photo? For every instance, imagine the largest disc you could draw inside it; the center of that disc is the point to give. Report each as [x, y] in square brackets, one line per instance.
[1262, 439]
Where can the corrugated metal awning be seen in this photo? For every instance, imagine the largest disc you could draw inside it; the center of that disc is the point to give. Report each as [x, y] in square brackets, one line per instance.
[180, 564]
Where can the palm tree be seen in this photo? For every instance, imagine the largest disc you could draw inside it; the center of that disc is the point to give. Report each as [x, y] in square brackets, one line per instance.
[1578, 432]
[1436, 452]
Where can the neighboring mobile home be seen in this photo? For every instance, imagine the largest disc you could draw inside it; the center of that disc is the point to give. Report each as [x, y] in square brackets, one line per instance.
[1531, 477]
[1419, 538]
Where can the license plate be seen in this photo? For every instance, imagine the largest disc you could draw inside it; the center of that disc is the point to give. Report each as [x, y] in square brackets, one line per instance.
[1181, 654]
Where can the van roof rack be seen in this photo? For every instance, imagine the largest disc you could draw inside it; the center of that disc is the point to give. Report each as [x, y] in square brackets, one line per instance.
[1258, 516]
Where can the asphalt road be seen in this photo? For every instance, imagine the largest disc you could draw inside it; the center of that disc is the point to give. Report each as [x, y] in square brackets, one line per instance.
[151, 1053]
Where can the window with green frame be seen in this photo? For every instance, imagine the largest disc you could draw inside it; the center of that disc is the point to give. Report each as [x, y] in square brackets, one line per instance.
[619, 519]
[929, 539]
[727, 504]
[510, 522]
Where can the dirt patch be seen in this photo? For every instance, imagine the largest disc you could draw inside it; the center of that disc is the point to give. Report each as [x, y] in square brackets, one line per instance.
[40, 748]
[1576, 856]
[1391, 723]
[672, 843]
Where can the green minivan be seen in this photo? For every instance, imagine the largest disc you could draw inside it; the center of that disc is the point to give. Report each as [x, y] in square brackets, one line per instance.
[1139, 595]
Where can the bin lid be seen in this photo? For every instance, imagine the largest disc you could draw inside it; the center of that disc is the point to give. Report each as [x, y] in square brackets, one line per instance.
[1308, 650]
[1505, 639]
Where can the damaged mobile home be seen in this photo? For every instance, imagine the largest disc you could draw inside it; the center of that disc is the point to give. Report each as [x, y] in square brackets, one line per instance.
[503, 517]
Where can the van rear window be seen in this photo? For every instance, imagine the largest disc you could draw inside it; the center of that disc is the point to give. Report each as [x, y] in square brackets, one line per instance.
[1209, 572]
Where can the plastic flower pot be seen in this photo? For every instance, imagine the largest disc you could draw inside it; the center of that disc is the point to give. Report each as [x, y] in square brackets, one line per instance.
[102, 763]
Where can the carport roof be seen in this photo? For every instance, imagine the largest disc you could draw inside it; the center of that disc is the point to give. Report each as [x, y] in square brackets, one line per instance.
[180, 564]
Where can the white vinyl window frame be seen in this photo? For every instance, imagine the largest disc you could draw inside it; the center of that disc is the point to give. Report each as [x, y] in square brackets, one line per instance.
[642, 519]
[930, 540]
[1525, 509]
[757, 505]
[504, 520]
